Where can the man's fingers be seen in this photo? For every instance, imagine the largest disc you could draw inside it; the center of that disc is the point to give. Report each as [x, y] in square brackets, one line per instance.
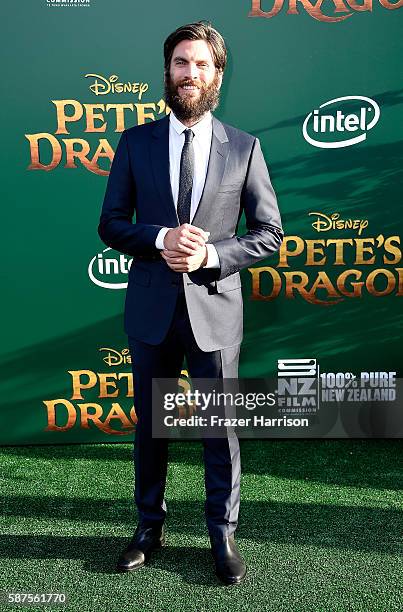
[176, 267]
[192, 241]
[187, 247]
[176, 253]
[169, 258]
[181, 262]
[174, 256]
[186, 238]
[196, 231]
[191, 244]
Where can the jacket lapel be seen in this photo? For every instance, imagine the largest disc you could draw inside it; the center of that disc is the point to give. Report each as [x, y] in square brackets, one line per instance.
[215, 170]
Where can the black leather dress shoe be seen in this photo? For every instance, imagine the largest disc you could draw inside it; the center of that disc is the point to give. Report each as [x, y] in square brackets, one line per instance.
[138, 552]
[229, 565]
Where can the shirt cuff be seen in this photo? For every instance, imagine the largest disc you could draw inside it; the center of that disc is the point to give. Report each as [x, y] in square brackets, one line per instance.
[159, 241]
[213, 261]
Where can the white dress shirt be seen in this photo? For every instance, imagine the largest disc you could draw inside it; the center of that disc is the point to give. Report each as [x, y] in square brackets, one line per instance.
[203, 132]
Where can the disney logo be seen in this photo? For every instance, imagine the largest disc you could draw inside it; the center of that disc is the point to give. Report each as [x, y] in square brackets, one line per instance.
[116, 358]
[105, 86]
[324, 223]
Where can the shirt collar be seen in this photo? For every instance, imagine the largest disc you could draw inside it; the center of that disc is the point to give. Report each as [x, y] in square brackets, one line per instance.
[197, 128]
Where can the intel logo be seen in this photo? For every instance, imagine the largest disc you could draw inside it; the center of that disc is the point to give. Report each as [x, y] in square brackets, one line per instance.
[109, 272]
[345, 122]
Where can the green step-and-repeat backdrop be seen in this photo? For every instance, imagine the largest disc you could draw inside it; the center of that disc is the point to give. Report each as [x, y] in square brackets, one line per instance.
[320, 85]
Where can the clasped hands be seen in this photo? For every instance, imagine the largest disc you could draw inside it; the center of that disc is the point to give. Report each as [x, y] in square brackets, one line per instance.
[185, 248]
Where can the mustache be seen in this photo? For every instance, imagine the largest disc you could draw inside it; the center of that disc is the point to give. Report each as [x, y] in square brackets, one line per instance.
[192, 83]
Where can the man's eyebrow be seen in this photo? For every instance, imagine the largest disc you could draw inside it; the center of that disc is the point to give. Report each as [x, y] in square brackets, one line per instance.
[183, 59]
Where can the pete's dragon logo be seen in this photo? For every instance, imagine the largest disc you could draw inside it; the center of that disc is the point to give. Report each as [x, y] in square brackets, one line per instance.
[315, 10]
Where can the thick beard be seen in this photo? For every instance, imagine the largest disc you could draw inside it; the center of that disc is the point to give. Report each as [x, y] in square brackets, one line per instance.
[186, 109]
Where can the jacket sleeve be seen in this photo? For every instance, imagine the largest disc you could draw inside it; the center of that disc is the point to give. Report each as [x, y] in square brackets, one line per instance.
[263, 222]
[116, 228]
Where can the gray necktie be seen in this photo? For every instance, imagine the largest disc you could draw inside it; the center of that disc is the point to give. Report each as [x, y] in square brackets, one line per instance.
[186, 179]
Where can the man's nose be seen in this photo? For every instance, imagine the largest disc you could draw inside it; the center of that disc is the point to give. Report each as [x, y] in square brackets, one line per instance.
[192, 71]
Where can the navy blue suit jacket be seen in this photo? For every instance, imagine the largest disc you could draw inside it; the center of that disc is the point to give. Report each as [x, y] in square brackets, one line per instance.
[138, 203]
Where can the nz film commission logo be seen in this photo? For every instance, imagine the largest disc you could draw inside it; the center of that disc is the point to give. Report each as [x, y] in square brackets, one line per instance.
[67, 3]
[298, 389]
[302, 387]
[333, 129]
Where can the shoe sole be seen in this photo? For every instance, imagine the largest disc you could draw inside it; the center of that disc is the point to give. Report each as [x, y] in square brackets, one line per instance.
[229, 582]
[156, 548]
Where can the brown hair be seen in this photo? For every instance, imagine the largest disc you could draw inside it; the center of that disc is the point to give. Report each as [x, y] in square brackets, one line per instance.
[201, 30]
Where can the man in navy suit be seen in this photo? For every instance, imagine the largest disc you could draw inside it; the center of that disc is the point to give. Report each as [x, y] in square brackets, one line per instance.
[188, 178]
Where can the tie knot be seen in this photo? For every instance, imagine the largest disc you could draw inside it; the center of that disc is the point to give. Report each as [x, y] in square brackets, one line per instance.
[188, 136]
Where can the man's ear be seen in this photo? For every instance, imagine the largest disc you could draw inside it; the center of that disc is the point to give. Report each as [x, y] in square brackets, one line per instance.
[220, 76]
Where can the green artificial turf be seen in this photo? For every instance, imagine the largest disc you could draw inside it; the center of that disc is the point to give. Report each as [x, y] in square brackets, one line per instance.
[320, 528]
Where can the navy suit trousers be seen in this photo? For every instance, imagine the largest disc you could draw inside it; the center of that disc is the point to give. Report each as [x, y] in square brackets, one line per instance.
[221, 455]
